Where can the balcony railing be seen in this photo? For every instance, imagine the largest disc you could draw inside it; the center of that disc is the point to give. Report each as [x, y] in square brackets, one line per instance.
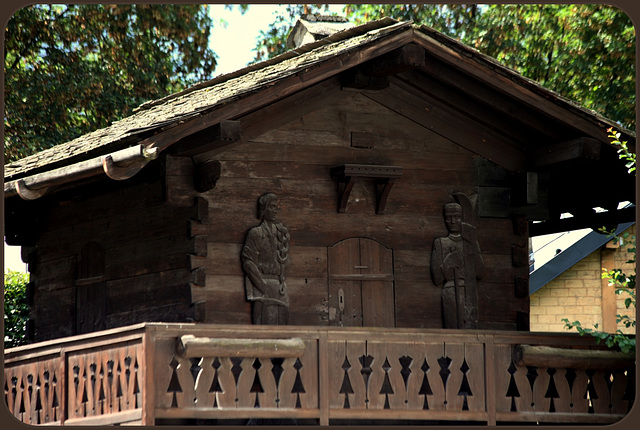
[156, 373]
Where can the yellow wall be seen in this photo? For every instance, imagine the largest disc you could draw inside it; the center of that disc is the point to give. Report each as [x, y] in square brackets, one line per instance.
[577, 294]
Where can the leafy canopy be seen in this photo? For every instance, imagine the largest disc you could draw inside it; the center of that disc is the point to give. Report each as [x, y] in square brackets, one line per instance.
[584, 52]
[71, 69]
[16, 311]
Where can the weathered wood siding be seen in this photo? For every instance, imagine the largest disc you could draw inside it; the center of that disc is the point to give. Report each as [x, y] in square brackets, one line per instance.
[294, 162]
[145, 267]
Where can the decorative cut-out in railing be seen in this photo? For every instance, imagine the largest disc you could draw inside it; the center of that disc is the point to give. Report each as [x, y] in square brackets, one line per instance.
[557, 390]
[104, 381]
[32, 392]
[235, 382]
[389, 380]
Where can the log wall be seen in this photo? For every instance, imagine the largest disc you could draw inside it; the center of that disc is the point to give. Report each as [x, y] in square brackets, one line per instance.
[294, 162]
[144, 273]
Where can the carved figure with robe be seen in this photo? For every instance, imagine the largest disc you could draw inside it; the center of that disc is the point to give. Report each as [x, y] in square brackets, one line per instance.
[456, 264]
[265, 255]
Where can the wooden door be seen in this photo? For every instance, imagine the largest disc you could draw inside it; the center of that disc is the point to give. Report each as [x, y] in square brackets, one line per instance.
[91, 298]
[361, 286]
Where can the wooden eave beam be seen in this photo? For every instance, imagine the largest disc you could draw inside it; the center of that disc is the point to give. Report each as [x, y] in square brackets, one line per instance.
[474, 89]
[118, 165]
[592, 220]
[584, 148]
[506, 84]
[436, 116]
[481, 112]
[224, 133]
[372, 74]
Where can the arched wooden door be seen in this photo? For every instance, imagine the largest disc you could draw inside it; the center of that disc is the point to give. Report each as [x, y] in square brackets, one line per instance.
[361, 283]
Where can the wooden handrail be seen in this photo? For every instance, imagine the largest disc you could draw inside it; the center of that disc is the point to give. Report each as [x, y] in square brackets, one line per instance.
[191, 346]
[546, 356]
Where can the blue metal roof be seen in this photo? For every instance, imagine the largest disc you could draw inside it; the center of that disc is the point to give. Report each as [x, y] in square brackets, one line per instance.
[570, 256]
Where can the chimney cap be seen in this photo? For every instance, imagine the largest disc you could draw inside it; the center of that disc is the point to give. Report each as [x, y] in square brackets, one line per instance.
[312, 27]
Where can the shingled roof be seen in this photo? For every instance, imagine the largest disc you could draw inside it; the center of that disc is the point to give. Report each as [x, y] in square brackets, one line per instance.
[158, 116]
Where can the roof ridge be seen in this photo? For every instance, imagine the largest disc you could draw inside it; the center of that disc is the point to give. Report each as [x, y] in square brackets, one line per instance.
[333, 38]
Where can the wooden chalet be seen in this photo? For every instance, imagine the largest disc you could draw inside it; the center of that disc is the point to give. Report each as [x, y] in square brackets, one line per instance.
[134, 238]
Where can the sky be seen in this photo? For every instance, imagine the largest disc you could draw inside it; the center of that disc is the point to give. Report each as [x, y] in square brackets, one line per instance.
[235, 44]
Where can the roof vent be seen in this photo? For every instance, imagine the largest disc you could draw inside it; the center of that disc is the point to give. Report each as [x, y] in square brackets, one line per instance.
[312, 27]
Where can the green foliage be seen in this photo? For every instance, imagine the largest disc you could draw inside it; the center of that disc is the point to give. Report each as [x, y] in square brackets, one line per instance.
[624, 342]
[71, 69]
[16, 311]
[623, 283]
[623, 152]
[584, 52]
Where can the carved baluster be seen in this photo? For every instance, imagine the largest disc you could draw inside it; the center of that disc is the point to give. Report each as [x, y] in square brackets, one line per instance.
[465, 389]
[540, 386]
[405, 371]
[601, 395]
[298, 387]
[256, 387]
[552, 391]
[22, 408]
[512, 390]
[386, 388]
[236, 371]
[30, 406]
[346, 387]
[93, 410]
[110, 400]
[563, 402]
[174, 383]
[55, 405]
[425, 388]
[74, 388]
[38, 407]
[215, 383]
[137, 394]
[365, 363]
[578, 381]
[277, 371]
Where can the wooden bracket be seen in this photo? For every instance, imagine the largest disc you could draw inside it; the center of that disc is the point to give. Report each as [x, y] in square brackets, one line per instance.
[27, 193]
[384, 176]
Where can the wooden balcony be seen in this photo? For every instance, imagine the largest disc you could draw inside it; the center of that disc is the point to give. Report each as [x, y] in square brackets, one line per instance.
[155, 373]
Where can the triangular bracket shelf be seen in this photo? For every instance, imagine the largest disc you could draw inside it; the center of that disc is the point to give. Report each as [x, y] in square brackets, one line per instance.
[347, 174]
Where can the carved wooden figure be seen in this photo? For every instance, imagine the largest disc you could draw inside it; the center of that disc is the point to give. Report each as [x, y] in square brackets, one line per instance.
[265, 256]
[456, 264]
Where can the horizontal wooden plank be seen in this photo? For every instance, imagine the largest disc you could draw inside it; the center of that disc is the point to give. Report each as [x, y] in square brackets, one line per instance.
[191, 346]
[121, 418]
[151, 290]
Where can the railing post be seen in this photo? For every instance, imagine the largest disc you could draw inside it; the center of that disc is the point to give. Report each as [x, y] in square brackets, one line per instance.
[323, 378]
[148, 390]
[64, 386]
[490, 379]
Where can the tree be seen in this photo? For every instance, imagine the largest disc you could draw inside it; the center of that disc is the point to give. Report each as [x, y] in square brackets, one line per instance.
[584, 52]
[71, 69]
[625, 284]
[16, 311]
